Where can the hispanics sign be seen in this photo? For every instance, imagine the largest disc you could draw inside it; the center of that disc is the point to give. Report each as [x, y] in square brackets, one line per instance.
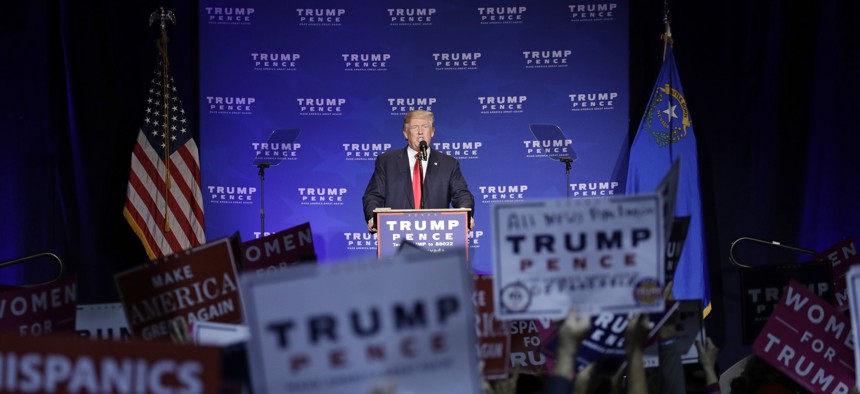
[199, 284]
[66, 364]
[810, 341]
[411, 323]
[598, 254]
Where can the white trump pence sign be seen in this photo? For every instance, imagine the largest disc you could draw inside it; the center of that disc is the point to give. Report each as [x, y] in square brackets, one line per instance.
[347, 327]
[595, 254]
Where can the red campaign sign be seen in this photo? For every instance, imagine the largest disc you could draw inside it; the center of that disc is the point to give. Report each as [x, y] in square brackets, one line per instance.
[810, 341]
[39, 310]
[494, 336]
[199, 284]
[842, 255]
[68, 364]
[277, 251]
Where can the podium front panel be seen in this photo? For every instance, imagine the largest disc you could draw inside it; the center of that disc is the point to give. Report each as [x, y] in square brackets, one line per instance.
[434, 230]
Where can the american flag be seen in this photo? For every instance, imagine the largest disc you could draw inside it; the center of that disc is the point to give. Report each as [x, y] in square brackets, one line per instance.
[163, 201]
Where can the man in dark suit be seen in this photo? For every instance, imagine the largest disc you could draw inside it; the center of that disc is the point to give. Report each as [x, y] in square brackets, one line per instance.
[391, 184]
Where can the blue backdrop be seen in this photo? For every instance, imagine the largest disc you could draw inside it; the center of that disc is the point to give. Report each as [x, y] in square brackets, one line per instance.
[346, 73]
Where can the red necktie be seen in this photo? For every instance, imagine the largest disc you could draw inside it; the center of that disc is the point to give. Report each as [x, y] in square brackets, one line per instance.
[416, 182]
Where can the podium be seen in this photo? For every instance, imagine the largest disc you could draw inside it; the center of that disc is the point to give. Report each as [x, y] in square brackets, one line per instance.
[434, 230]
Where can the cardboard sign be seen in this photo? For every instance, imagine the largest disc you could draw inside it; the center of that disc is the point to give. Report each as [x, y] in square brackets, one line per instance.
[494, 336]
[102, 321]
[39, 310]
[762, 287]
[345, 327]
[842, 256]
[688, 328]
[67, 364]
[199, 284]
[598, 254]
[528, 341]
[668, 190]
[675, 245]
[604, 344]
[852, 280]
[219, 334]
[810, 341]
[278, 251]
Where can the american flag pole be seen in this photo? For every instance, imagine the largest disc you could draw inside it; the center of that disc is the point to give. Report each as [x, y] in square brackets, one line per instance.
[164, 204]
[163, 17]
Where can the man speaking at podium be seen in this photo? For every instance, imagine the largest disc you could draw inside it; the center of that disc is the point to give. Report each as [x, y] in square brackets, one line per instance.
[392, 184]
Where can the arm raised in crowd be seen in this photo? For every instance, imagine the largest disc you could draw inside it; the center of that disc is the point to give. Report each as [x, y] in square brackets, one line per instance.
[708, 358]
[571, 332]
[635, 340]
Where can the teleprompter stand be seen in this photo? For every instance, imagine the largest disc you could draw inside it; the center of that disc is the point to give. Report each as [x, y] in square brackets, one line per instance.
[549, 135]
[263, 160]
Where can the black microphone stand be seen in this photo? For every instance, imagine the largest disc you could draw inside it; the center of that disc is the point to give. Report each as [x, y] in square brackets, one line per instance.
[567, 161]
[422, 157]
[262, 167]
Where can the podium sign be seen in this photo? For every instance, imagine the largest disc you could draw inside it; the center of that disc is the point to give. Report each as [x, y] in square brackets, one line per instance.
[435, 230]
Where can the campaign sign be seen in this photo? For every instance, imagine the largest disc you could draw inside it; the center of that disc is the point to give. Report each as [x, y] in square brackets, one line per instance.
[102, 321]
[688, 327]
[278, 251]
[762, 287]
[67, 364]
[810, 341]
[528, 340]
[852, 280]
[196, 285]
[348, 327]
[601, 254]
[675, 245]
[842, 256]
[668, 190]
[435, 230]
[494, 336]
[39, 310]
[219, 334]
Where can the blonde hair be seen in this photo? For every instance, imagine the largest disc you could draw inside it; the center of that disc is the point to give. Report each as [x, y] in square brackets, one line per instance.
[418, 113]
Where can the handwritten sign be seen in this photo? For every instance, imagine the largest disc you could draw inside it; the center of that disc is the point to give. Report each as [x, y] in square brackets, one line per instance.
[810, 341]
[39, 310]
[196, 285]
[598, 254]
[410, 322]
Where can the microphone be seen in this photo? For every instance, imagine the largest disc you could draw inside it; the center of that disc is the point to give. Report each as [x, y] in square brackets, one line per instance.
[422, 146]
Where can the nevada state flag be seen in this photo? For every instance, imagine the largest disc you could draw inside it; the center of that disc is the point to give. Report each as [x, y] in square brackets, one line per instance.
[665, 134]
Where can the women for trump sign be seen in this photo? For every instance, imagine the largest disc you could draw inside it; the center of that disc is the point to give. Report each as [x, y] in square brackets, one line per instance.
[810, 341]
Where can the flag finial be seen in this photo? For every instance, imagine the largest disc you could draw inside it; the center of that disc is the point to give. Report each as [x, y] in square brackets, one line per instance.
[163, 17]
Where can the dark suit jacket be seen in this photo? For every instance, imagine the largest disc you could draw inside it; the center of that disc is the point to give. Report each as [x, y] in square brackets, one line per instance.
[391, 183]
